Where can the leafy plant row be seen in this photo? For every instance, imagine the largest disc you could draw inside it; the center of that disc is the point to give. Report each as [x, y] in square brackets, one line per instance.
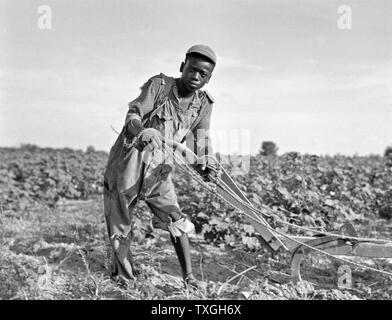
[305, 190]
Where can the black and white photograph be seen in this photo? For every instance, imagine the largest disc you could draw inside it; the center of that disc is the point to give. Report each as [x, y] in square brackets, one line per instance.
[207, 152]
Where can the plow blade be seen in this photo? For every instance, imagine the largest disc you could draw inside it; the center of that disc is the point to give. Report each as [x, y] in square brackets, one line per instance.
[335, 246]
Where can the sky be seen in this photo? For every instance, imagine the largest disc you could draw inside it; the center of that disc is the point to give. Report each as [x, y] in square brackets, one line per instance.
[285, 72]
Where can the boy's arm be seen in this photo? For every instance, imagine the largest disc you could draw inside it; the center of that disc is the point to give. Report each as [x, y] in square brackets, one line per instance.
[143, 104]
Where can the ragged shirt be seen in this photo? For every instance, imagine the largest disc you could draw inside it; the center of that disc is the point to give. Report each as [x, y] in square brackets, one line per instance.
[158, 106]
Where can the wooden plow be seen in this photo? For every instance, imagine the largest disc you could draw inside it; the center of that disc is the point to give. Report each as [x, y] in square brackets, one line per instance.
[345, 243]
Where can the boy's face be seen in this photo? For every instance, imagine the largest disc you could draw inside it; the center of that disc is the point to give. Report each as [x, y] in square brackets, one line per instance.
[196, 72]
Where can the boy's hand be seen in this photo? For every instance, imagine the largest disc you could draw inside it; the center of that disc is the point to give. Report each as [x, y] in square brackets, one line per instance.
[207, 169]
[150, 139]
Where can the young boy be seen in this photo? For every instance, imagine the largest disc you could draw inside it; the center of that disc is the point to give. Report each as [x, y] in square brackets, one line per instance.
[167, 107]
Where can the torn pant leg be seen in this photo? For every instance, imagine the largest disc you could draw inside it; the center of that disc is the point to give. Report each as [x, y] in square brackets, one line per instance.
[118, 215]
[122, 262]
